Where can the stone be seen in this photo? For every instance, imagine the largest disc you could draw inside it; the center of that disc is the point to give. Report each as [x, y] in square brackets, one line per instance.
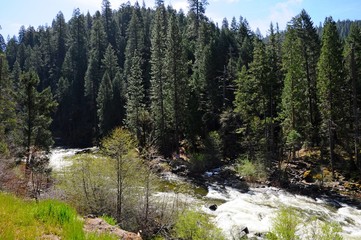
[213, 207]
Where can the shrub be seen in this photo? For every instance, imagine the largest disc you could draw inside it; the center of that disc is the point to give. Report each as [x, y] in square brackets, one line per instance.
[109, 220]
[284, 225]
[196, 226]
[199, 162]
[252, 171]
[324, 230]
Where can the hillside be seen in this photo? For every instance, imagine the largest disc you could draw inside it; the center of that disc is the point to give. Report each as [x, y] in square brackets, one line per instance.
[50, 219]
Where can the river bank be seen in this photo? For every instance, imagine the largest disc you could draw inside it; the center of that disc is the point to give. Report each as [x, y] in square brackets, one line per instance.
[238, 204]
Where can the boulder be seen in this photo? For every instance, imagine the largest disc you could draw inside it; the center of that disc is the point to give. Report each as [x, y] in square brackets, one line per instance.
[213, 207]
[100, 226]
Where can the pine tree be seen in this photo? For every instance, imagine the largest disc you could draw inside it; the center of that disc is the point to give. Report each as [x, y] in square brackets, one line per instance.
[35, 115]
[135, 95]
[135, 40]
[158, 77]
[73, 71]
[252, 104]
[353, 70]
[95, 71]
[247, 106]
[197, 8]
[176, 86]
[119, 98]
[107, 19]
[59, 27]
[331, 86]
[106, 99]
[310, 50]
[295, 114]
[105, 105]
[274, 87]
[7, 109]
[110, 62]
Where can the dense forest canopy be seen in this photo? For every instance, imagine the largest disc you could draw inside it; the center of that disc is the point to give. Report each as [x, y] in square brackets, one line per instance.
[178, 80]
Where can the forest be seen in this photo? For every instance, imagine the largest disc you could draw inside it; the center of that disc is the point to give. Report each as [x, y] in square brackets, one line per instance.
[184, 86]
[179, 80]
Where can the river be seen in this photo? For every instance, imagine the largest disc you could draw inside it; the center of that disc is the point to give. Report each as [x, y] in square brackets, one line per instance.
[256, 208]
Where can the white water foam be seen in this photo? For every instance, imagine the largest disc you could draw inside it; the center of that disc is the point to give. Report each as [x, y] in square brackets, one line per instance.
[256, 209]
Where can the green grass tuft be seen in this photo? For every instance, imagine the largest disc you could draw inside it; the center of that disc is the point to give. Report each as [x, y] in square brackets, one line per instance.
[28, 220]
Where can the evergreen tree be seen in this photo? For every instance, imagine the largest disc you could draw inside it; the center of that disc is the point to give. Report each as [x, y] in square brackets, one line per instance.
[274, 87]
[35, 115]
[95, 71]
[107, 19]
[59, 36]
[135, 40]
[352, 53]
[107, 102]
[244, 38]
[331, 86]
[310, 50]
[176, 86]
[158, 77]
[7, 109]
[73, 71]
[295, 114]
[105, 105]
[135, 95]
[11, 51]
[119, 99]
[252, 103]
[197, 8]
[110, 62]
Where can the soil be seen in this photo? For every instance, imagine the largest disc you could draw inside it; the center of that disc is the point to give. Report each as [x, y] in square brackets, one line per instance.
[93, 224]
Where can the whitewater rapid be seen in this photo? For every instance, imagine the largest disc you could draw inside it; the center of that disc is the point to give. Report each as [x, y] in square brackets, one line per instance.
[256, 208]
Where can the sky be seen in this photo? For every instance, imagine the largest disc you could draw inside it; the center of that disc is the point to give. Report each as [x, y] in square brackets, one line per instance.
[259, 13]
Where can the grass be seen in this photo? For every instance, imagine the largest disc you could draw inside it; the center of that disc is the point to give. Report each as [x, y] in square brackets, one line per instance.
[21, 219]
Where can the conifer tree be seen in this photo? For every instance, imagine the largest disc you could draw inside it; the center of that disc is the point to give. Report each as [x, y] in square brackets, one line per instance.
[95, 71]
[59, 41]
[105, 105]
[310, 50]
[7, 109]
[135, 95]
[73, 71]
[158, 77]
[135, 39]
[352, 53]
[295, 114]
[35, 115]
[110, 62]
[251, 103]
[176, 90]
[275, 83]
[331, 86]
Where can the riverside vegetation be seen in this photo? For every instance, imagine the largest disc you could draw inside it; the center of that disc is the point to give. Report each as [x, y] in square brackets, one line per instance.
[155, 83]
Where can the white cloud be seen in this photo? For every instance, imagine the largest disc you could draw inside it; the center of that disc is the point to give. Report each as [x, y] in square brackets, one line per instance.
[280, 13]
[179, 4]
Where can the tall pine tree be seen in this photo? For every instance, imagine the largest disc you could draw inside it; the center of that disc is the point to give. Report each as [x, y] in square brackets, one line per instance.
[331, 86]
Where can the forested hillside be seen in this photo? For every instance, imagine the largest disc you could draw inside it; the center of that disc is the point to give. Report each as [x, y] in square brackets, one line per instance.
[179, 81]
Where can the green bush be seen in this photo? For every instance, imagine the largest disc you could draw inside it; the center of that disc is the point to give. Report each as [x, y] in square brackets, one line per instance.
[324, 230]
[199, 162]
[196, 226]
[109, 220]
[284, 225]
[252, 171]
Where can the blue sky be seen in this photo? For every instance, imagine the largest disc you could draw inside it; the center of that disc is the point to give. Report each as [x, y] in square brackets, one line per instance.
[259, 13]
